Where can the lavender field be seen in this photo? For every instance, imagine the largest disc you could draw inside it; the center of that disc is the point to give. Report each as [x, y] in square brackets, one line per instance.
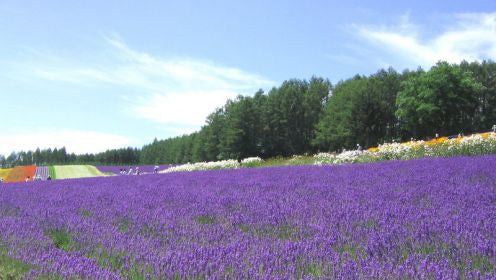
[430, 218]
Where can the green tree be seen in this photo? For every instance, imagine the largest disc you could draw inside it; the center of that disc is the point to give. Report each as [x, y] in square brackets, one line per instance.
[484, 73]
[239, 139]
[213, 134]
[335, 129]
[360, 111]
[442, 100]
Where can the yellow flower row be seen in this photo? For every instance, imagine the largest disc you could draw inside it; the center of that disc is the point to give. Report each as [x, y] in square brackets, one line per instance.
[4, 173]
[439, 141]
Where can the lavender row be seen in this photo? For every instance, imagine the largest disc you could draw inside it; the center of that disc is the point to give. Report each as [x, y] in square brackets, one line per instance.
[429, 218]
[142, 168]
[42, 173]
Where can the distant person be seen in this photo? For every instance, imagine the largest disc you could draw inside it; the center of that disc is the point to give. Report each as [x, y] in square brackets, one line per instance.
[130, 171]
[49, 178]
[155, 169]
[137, 170]
[27, 179]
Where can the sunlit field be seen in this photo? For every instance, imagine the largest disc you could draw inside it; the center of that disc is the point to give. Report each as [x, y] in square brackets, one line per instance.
[425, 218]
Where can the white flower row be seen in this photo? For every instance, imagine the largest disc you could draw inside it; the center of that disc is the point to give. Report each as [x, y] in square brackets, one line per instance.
[344, 157]
[223, 164]
[251, 160]
[473, 144]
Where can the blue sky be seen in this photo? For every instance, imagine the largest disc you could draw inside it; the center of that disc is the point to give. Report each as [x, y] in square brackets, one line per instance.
[92, 75]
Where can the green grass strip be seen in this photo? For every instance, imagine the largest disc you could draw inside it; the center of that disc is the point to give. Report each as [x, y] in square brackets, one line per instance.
[51, 172]
[76, 171]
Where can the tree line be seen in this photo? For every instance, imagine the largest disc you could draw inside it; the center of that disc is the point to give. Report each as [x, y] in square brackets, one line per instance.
[308, 116]
[123, 156]
[303, 116]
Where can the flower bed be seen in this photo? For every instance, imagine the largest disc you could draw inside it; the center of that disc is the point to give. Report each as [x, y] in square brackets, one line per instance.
[20, 173]
[476, 144]
[4, 173]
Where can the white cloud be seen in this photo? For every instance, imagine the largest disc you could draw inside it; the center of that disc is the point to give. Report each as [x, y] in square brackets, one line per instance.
[471, 37]
[165, 90]
[173, 107]
[75, 141]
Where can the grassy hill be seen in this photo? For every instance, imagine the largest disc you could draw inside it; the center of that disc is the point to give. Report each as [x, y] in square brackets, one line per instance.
[76, 171]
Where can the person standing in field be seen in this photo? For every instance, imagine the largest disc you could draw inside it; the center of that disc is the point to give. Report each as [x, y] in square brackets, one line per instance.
[27, 179]
[155, 169]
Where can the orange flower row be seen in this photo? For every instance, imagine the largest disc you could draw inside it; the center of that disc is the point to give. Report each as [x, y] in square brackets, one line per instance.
[435, 141]
[20, 173]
